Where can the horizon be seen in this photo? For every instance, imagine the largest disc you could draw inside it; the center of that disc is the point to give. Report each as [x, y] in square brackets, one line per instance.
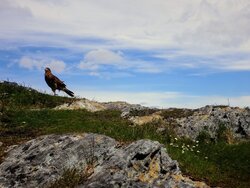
[156, 53]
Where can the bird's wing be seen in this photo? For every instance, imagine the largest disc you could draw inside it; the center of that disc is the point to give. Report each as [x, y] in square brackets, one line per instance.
[59, 82]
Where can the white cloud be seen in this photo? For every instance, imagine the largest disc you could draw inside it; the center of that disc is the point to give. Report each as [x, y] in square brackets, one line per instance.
[11, 12]
[39, 64]
[209, 63]
[94, 59]
[147, 67]
[197, 25]
[103, 56]
[56, 65]
[30, 63]
[165, 99]
[194, 28]
[237, 65]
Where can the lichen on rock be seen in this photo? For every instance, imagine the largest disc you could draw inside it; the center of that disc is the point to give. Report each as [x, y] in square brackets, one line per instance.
[41, 161]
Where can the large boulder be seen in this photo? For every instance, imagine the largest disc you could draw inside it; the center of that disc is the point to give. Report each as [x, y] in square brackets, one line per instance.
[41, 161]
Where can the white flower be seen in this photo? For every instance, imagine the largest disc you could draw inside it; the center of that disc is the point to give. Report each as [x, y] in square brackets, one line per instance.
[198, 151]
[193, 146]
[171, 144]
[197, 141]
[182, 151]
[206, 157]
[175, 138]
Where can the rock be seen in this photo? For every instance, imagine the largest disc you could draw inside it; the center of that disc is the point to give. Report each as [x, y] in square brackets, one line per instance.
[9, 148]
[94, 106]
[210, 118]
[140, 120]
[124, 107]
[91, 106]
[41, 161]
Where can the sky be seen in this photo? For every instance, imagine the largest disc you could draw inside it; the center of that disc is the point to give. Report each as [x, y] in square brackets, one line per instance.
[158, 53]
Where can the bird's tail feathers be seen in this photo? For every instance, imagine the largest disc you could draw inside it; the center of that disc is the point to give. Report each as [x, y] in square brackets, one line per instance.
[70, 93]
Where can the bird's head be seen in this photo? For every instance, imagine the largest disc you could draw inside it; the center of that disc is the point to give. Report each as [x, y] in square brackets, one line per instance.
[47, 70]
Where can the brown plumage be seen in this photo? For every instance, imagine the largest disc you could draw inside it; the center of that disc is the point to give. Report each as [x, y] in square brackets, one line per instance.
[55, 83]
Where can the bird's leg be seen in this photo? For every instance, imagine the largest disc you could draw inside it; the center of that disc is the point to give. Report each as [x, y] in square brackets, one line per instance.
[54, 91]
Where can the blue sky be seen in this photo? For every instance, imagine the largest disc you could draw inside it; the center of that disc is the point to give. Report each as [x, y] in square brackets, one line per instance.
[153, 52]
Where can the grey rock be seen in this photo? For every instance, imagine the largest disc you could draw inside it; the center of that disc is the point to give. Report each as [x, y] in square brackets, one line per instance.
[41, 161]
[89, 105]
[9, 148]
[210, 118]
[124, 107]
[94, 106]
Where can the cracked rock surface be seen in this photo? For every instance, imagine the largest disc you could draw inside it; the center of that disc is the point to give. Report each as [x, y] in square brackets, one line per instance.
[210, 118]
[144, 163]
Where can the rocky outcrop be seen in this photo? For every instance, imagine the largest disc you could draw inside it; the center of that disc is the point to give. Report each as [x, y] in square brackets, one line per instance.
[185, 122]
[140, 120]
[91, 106]
[211, 119]
[94, 106]
[124, 107]
[41, 161]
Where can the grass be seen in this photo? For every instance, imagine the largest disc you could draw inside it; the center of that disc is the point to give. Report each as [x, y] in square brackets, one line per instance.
[46, 121]
[16, 96]
[71, 178]
[174, 113]
[216, 163]
[225, 166]
[143, 112]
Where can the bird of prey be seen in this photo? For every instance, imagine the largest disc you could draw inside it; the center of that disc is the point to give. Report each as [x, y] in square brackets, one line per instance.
[55, 83]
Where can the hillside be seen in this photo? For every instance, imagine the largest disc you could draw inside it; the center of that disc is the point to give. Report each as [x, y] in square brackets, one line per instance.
[211, 144]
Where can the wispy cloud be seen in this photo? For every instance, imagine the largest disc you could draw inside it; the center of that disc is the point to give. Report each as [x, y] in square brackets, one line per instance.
[95, 61]
[195, 29]
[165, 40]
[238, 65]
[196, 26]
[31, 63]
[223, 62]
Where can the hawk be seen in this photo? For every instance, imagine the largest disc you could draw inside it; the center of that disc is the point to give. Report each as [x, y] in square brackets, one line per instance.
[55, 83]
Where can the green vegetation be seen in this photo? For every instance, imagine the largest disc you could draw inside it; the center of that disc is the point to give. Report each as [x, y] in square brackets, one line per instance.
[204, 137]
[216, 163]
[71, 178]
[177, 113]
[144, 112]
[14, 96]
